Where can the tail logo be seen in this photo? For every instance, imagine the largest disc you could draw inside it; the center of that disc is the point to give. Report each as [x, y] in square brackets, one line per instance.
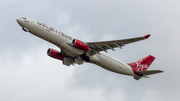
[141, 67]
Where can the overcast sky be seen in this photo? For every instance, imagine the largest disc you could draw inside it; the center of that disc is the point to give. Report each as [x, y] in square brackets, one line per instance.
[28, 74]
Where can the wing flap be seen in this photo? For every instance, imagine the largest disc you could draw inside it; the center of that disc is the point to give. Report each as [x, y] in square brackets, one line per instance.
[68, 61]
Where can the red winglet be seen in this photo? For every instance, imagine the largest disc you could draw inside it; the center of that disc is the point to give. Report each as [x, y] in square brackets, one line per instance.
[147, 36]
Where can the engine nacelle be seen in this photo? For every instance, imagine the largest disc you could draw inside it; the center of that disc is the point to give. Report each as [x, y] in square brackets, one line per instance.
[80, 45]
[55, 54]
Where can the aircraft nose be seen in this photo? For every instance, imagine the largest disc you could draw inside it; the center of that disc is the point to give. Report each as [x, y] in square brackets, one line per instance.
[18, 20]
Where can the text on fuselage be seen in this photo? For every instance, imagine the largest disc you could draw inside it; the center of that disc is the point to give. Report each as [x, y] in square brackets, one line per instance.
[53, 30]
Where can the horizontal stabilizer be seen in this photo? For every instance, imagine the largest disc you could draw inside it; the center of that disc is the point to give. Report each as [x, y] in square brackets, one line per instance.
[137, 77]
[149, 72]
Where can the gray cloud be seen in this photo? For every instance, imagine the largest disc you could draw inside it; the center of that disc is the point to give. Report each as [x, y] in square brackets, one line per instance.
[27, 73]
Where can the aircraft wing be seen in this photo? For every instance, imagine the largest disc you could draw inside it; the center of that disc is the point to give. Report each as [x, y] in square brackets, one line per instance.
[96, 47]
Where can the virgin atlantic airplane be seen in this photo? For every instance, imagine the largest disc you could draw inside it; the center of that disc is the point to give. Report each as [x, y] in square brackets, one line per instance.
[74, 51]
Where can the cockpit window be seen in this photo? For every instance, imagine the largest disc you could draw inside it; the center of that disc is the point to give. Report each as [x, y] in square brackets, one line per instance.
[23, 17]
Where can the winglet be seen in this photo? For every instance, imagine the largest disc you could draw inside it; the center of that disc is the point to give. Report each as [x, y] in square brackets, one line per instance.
[147, 36]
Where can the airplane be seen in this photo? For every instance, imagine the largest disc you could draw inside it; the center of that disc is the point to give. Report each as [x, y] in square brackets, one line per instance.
[74, 51]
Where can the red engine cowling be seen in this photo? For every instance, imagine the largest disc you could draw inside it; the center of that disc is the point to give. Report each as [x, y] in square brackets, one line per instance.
[80, 45]
[55, 54]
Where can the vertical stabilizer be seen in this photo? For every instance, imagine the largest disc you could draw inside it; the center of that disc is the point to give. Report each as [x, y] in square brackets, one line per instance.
[142, 65]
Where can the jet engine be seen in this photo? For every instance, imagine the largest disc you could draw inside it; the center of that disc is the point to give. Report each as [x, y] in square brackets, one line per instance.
[55, 54]
[80, 45]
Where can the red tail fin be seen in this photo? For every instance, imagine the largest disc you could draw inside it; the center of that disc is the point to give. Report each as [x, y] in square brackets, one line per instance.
[142, 65]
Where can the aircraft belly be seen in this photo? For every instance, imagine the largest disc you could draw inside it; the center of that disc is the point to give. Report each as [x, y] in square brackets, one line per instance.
[39, 31]
[69, 50]
[113, 65]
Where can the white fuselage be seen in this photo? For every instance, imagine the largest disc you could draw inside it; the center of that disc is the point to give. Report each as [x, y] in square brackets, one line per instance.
[62, 41]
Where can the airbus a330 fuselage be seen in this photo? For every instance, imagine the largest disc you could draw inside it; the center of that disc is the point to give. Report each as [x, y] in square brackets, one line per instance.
[74, 51]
